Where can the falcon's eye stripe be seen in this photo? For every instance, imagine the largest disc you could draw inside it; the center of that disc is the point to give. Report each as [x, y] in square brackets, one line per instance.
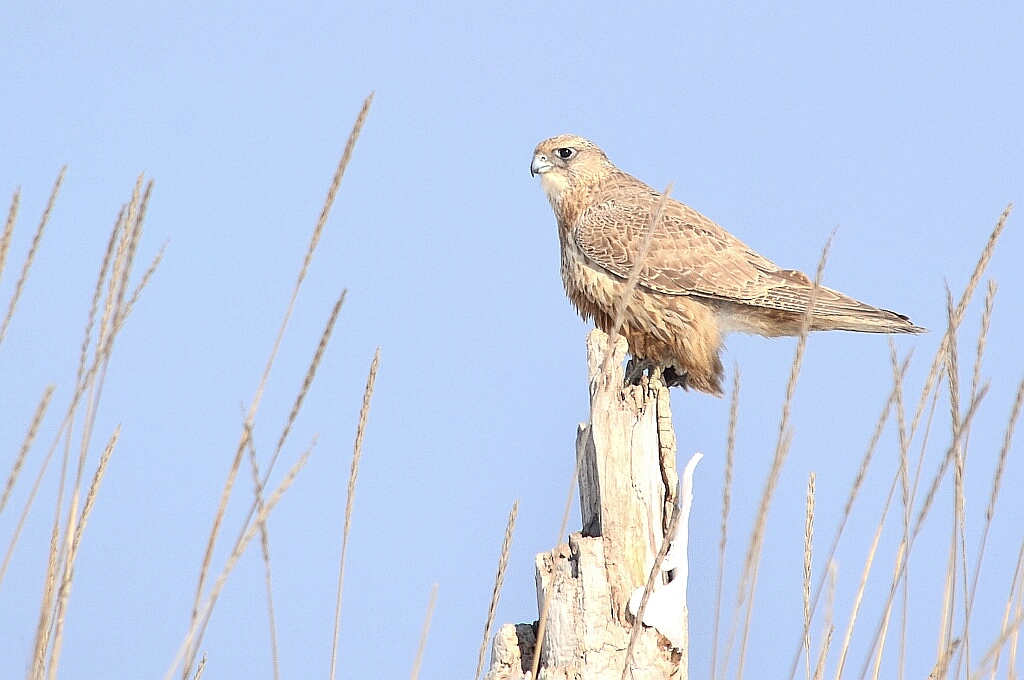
[565, 153]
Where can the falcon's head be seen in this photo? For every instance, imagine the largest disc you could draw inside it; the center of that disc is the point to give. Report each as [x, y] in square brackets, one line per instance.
[566, 161]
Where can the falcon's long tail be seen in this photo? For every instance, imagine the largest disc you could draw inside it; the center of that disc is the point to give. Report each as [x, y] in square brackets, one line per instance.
[834, 311]
[882, 322]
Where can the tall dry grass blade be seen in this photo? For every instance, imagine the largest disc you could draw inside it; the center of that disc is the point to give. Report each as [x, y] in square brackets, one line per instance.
[862, 588]
[905, 504]
[902, 558]
[877, 646]
[68, 533]
[357, 454]
[260, 484]
[200, 668]
[1014, 600]
[307, 381]
[332, 192]
[654, 574]
[986, 322]
[314, 241]
[634, 277]
[752, 560]
[730, 456]
[30, 257]
[261, 386]
[972, 284]
[8, 235]
[808, 554]
[675, 532]
[72, 553]
[97, 298]
[195, 623]
[94, 487]
[826, 645]
[143, 282]
[990, 512]
[300, 398]
[828, 628]
[268, 580]
[187, 652]
[26, 445]
[929, 498]
[997, 478]
[895, 396]
[947, 643]
[42, 640]
[211, 541]
[1010, 630]
[499, 582]
[1014, 638]
[423, 635]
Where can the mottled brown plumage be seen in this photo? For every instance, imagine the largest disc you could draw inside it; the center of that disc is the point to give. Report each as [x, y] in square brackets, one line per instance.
[697, 282]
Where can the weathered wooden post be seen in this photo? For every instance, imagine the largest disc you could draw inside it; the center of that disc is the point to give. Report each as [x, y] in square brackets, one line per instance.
[627, 481]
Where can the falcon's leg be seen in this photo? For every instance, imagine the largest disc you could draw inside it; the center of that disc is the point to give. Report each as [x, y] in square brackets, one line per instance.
[635, 369]
[673, 378]
[638, 368]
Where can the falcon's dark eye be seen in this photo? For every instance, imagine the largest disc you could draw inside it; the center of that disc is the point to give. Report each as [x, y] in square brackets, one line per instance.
[565, 153]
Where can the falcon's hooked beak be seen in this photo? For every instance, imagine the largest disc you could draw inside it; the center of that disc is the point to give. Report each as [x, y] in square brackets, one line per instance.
[540, 165]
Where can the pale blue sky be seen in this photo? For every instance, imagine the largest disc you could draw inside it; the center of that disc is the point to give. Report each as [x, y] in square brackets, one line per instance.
[900, 125]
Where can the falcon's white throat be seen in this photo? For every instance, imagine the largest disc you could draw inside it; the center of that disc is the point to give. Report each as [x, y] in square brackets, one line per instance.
[553, 184]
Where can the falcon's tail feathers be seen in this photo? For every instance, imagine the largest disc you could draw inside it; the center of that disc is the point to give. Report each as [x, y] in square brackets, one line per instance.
[864, 321]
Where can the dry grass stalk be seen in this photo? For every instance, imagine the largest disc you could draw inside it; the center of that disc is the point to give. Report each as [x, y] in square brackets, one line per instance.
[968, 294]
[211, 542]
[69, 523]
[1010, 630]
[268, 581]
[72, 553]
[730, 456]
[423, 634]
[631, 283]
[959, 433]
[986, 322]
[314, 240]
[993, 497]
[862, 588]
[1014, 602]
[187, 652]
[828, 628]
[499, 582]
[895, 397]
[26, 445]
[751, 563]
[30, 257]
[653, 576]
[196, 626]
[8, 234]
[808, 553]
[357, 453]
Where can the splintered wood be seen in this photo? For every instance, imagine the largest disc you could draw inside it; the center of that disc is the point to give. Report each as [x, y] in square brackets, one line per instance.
[627, 481]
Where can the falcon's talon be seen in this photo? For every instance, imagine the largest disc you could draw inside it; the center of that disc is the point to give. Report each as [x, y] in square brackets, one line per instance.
[697, 282]
[635, 369]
